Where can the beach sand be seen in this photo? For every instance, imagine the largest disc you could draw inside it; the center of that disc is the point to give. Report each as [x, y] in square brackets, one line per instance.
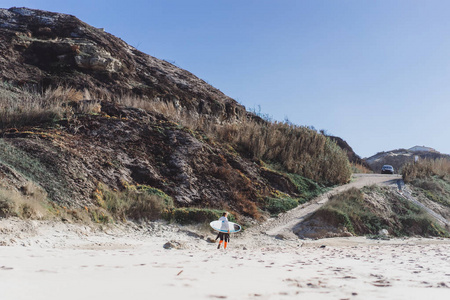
[50, 260]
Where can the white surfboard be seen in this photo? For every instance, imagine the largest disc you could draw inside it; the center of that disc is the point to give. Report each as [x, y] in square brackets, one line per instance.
[233, 226]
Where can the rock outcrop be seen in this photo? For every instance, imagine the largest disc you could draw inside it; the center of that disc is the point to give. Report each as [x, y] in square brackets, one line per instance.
[45, 49]
[98, 142]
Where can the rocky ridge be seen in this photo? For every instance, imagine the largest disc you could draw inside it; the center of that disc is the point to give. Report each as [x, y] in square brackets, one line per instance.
[115, 145]
[45, 49]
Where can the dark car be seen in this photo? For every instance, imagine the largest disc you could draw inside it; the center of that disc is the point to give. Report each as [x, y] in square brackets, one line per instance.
[387, 169]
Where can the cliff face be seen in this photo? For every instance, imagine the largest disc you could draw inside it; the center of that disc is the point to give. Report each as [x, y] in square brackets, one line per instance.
[45, 49]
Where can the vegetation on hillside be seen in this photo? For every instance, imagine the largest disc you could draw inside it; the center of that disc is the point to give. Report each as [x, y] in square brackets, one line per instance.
[298, 149]
[360, 169]
[136, 203]
[278, 202]
[23, 107]
[426, 168]
[431, 177]
[367, 211]
[302, 157]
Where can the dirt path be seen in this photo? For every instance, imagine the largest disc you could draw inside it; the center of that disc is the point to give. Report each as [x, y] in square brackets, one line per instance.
[283, 225]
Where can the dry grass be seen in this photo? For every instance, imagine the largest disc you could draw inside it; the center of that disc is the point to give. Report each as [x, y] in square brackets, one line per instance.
[360, 169]
[297, 149]
[432, 177]
[23, 107]
[426, 168]
[26, 204]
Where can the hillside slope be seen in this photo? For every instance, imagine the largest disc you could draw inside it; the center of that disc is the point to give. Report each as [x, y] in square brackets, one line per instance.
[352, 156]
[48, 49]
[88, 122]
[398, 158]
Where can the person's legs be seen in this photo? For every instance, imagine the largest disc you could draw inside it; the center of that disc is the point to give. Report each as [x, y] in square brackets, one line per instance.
[221, 240]
[227, 239]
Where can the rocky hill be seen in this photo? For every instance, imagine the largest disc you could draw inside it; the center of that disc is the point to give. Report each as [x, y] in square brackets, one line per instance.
[48, 49]
[398, 158]
[89, 122]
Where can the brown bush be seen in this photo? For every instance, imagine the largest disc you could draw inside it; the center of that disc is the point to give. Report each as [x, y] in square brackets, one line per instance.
[24, 108]
[298, 149]
[426, 168]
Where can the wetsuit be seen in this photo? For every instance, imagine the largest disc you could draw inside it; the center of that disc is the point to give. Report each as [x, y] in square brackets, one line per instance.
[224, 236]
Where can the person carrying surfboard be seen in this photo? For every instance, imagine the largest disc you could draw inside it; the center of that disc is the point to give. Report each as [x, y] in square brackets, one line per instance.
[224, 233]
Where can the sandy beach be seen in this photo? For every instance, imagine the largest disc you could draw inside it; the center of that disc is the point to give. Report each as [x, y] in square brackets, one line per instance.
[49, 260]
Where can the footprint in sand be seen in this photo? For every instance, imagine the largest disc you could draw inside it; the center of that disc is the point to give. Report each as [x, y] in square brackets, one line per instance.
[381, 282]
[46, 271]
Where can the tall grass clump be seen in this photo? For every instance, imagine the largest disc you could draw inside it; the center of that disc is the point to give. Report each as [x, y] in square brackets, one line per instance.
[426, 168]
[431, 177]
[299, 149]
[27, 107]
[143, 202]
[360, 169]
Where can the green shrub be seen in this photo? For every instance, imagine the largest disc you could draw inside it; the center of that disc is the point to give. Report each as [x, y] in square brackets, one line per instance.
[146, 206]
[46, 175]
[100, 215]
[373, 223]
[308, 188]
[434, 188]
[135, 202]
[280, 202]
[151, 191]
[334, 217]
[421, 225]
[275, 206]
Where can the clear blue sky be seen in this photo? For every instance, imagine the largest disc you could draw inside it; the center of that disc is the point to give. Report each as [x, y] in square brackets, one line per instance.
[376, 73]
